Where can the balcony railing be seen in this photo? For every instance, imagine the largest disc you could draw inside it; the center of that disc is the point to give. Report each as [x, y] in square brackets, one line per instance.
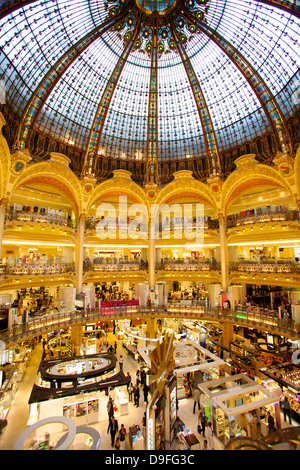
[32, 217]
[190, 265]
[208, 224]
[114, 266]
[35, 269]
[239, 220]
[266, 266]
[91, 224]
[257, 317]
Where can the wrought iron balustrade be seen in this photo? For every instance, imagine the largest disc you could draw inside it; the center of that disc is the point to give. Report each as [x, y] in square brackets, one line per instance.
[190, 265]
[114, 266]
[257, 317]
[265, 266]
[239, 220]
[35, 269]
[33, 217]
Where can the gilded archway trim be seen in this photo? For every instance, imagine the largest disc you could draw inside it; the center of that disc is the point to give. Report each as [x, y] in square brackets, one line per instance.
[186, 185]
[248, 176]
[118, 187]
[54, 175]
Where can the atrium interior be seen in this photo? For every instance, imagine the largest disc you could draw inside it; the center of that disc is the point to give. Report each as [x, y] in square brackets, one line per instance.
[149, 224]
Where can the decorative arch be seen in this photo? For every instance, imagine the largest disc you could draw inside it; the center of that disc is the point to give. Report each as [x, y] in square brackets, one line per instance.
[183, 185]
[55, 174]
[247, 175]
[120, 184]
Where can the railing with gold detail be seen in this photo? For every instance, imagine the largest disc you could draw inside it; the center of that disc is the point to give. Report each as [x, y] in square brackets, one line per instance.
[114, 266]
[257, 317]
[189, 265]
[35, 269]
[265, 266]
[241, 220]
[38, 218]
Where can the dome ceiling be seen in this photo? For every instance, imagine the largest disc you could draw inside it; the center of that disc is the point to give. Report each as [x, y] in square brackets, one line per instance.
[151, 80]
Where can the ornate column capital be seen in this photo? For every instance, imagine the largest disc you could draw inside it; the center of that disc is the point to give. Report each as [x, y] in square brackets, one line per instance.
[82, 217]
[221, 217]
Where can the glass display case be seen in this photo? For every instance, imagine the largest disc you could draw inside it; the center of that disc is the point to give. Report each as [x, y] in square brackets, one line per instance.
[83, 411]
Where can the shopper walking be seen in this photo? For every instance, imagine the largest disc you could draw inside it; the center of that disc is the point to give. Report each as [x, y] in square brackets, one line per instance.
[144, 425]
[201, 422]
[146, 391]
[138, 377]
[136, 395]
[205, 445]
[121, 363]
[123, 433]
[286, 409]
[130, 391]
[128, 377]
[143, 376]
[117, 443]
[110, 408]
[196, 398]
[113, 427]
[271, 422]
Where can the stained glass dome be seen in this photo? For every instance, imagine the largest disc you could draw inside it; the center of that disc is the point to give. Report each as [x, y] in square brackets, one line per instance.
[151, 81]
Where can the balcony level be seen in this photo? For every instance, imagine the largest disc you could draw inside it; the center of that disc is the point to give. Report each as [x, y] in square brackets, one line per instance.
[257, 318]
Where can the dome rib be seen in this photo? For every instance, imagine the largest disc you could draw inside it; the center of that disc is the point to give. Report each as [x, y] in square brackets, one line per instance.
[152, 136]
[99, 120]
[204, 114]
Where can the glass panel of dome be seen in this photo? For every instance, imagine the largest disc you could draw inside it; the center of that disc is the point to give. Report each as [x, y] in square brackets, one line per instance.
[82, 87]
[178, 116]
[37, 44]
[275, 35]
[127, 117]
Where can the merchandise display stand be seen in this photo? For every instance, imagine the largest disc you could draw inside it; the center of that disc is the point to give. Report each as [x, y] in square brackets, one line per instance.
[191, 358]
[235, 406]
[121, 402]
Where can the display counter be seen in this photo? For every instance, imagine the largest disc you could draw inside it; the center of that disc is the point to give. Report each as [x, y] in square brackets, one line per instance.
[194, 364]
[8, 393]
[121, 402]
[131, 345]
[235, 406]
[136, 440]
[184, 385]
[83, 409]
